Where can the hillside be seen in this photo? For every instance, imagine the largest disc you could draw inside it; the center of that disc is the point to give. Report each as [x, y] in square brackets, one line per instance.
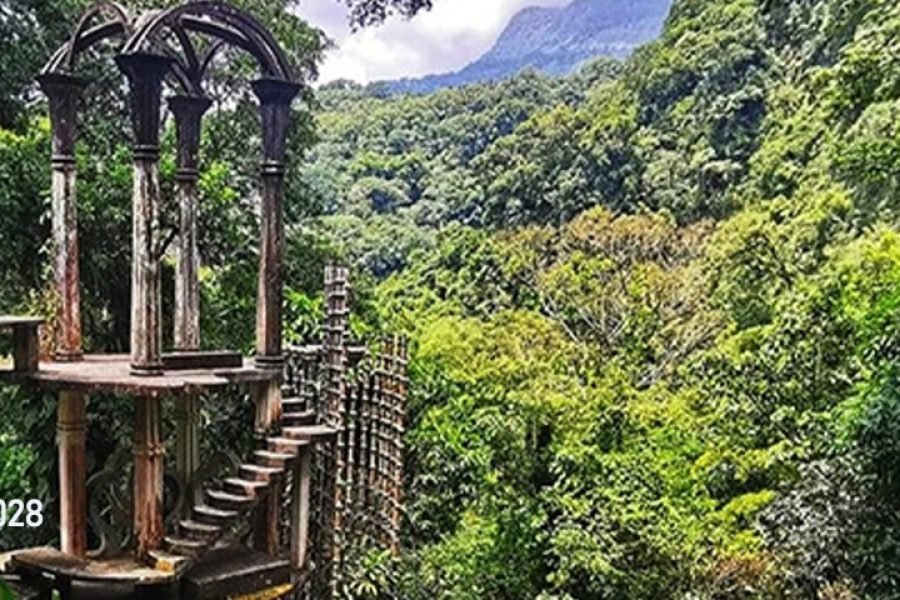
[555, 41]
[653, 305]
[654, 311]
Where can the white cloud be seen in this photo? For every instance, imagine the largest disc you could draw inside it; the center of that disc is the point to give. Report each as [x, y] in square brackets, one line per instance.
[452, 34]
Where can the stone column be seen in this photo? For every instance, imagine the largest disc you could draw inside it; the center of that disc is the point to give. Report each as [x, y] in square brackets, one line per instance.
[71, 431]
[267, 514]
[187, 451]
[275, 97]
[145, 74]
[63, 92]
[300, 508]
[188, 112]
[149, 455]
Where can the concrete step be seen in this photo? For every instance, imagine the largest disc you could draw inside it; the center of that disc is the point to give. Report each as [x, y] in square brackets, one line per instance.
[185, 546]
[226, 501]
[284, 445]
[298, 418]
[245, 487]
[214, 516]
[278, 460]
[254, 472]
[202, 532]
[314, 433]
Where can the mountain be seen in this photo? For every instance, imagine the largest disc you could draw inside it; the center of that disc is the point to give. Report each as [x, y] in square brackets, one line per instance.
[555, 41]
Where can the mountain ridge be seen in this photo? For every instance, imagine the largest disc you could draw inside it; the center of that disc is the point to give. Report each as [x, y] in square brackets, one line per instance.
[553, 40]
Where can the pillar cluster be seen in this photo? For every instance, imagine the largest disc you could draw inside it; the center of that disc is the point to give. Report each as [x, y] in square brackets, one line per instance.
[358, 479]
[147, 75]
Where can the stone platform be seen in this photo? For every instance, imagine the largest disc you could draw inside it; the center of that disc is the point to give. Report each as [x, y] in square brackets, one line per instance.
[111, 373]
[227, 571]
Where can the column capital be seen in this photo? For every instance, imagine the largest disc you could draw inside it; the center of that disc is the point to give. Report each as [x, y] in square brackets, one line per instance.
[271, 90]
[61, 84]
[63, 91]
[144, 65]
[186, 105]
[145, 74]
[275, 97]
[188, 111]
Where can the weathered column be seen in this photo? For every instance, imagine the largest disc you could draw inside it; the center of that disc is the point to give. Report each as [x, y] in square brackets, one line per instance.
[145, 74]
[267, 518]
[188, 112]
[267, 515]
[26, 346]
[63, 92]
[71, 431]
[300, 508]
[149, 454]
[275, 97]
[187, 451]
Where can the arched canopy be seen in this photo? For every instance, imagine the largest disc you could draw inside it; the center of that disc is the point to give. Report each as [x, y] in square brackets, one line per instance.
[120, 24]
[219, 20]
[147, 33]
[83, 36]
[160, 45]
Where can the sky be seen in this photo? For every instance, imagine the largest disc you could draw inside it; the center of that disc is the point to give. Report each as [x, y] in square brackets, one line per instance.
[446, 38]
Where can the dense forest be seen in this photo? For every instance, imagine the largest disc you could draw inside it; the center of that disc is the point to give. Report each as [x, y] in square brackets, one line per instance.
[654, 306]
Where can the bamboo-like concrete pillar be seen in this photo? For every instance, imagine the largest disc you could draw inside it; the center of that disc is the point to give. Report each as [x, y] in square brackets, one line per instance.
[275, 97]
[335, 347]
[63, 92]
[300, 508]
[149, 456]
[145, 74]
[188, 112]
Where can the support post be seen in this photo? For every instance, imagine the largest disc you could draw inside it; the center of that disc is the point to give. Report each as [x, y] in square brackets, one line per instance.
[188, 112]
[71, 432]
[26, 351]
[63, 92]
[145, 74]
[149, 454]
[300, 508]
[275, 97]
[267, 515]
[187, 451]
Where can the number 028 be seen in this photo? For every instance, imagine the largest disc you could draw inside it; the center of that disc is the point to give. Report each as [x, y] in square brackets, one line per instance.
[18, 513]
